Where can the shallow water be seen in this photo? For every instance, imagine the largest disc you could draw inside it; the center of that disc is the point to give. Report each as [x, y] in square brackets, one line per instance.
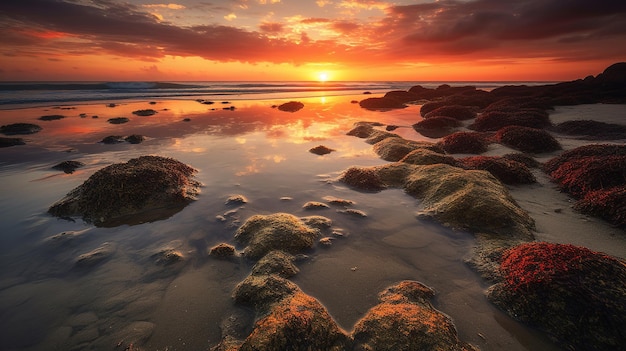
[46, 303]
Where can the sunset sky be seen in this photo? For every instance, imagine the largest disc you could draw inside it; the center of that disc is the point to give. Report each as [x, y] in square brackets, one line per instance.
[182, 40]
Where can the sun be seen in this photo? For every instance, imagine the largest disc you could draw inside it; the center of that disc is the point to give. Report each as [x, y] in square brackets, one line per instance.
[322, 77]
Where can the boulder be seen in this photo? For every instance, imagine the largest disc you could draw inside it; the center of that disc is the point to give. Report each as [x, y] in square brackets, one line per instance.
[405, 320]
[222, 251]
[145, 186]
[276, 262]
[146, 112]
[428, 157]
[381, 103]
[464, 143]
[495, 120]
[280, 231]
[575, 295]
[457, 112]
[394, 149]
[526, 139]
[436, 127]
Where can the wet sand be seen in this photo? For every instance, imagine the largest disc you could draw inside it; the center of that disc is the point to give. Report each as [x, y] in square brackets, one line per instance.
[261, 153]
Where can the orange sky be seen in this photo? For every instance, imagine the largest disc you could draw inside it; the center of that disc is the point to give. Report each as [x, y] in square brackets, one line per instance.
[116, 40]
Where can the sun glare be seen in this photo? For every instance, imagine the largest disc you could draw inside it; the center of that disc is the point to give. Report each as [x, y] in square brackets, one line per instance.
[322, 76]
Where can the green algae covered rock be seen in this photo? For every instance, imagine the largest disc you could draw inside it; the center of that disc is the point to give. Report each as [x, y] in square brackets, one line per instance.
[280, 231]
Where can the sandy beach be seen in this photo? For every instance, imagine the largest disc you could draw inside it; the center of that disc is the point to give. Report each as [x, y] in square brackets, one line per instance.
[249, 148]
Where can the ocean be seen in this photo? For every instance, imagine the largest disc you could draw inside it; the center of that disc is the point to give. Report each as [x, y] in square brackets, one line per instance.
[29, 94]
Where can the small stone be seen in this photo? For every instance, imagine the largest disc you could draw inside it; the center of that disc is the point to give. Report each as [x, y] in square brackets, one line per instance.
[314, 205]
[326, 241]
[236, 200]
[222, 251]
[356, 213]
[321, 150]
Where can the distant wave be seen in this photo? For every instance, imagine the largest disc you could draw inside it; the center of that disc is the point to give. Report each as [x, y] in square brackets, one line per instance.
[91, 86]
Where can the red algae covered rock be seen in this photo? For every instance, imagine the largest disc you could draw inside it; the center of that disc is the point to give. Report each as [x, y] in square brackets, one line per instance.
[609, 204]
[405, 320]
[507, 171]
[280, 231]
[436, 127]
[457, 112]
[595, 175]
[401, 95]
[151, 186]
[576, 295]
[464, 143]
[291, 106]
[527, 139]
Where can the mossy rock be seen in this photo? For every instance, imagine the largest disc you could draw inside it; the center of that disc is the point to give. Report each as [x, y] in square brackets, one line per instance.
[464, 143]
[151, 186]
[280, 231]
[394, 149]
[457, 112]
[405, 320]
[526, 139]
[576, 295]
[428, 157]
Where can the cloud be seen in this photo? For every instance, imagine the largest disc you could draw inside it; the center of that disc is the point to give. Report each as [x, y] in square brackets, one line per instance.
[164, 6]
[444, 30]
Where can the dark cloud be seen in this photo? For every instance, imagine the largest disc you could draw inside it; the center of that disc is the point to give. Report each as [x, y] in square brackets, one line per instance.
[446, 29]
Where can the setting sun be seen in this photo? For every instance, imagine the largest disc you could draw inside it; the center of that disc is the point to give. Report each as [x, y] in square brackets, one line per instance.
[322, 76]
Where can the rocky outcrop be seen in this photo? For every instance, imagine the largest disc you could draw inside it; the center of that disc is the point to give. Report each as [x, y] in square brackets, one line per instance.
[20, 128]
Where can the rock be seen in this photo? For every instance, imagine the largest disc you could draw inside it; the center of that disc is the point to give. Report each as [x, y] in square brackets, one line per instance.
[118, 120]
[507, 171]
[592, 130]
[318, 222]
[381, 103]
[146, 185]
[326, 241]
[96, 256]
[68, 166]
[280, 231]
[236, 200]
[453, 111]
[291, 106]
[8, 142]
[276, 262]
[405, 320]
[427, 157]
[495, 120]
[594, 174]
[353, 212]
[363, 179]
[401, 96]
[135, 139]
[321, 150]
[337, 201]
[222, 251]
[527, 139]
[464, 143]
[146, 112]
[288, 318]
[167, 256]
[113, 139]
[20, 128]
[436, 127]
[394, 149]
[314, 205]
[51, 117]
[526, 159]
[576, 295]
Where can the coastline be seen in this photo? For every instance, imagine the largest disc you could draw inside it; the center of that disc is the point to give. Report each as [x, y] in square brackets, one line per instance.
[273, 144]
